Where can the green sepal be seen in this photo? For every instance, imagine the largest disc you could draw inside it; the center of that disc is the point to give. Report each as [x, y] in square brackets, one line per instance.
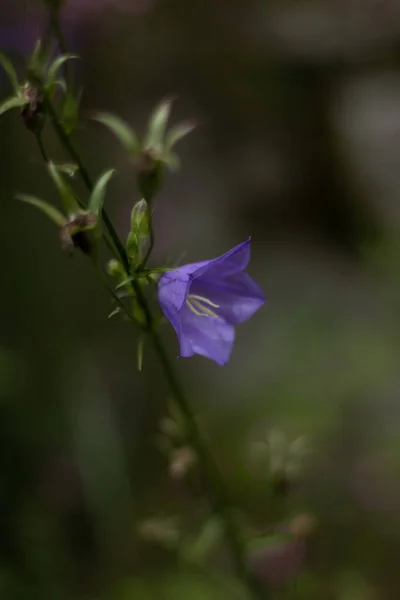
[13, 102]
[121, 130]
[37, 64]
[116, 311]
[69, 169]
[176, 133]
[12, 75]
[68, 199]
[50, 211]
[157, 126]
[97, 196]
[56, 64]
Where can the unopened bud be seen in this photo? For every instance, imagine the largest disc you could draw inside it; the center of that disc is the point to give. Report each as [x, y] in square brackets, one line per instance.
[33, 113]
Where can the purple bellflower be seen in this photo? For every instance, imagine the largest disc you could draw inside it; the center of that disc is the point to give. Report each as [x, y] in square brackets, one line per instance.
[204, 301]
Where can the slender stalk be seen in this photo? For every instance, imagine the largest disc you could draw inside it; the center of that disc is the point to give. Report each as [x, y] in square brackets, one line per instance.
[209, 469]
[54, 25]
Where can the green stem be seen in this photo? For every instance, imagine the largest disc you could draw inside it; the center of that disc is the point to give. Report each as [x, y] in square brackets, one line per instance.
[209, 468]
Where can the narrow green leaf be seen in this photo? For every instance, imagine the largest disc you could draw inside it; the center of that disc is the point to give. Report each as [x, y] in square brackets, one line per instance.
[67, 196]
[198, 549]
[121, 130]
[68, 169]
[60, 82]
[114, 312]
[177, 132]
[157, 125]
[14, 102]
[99, 191]
[37, 62]
[52, 213]
[58, 62]
[12, 75]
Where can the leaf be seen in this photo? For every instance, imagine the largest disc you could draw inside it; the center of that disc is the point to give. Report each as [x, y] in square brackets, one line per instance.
[50, 211]
[58, 62]
[121, 130]
[157, 125]
[198, 549]
[99, 191]
[10, 103]
[36, 62]
[69, 169]
[12, 75]
[177, 132]
[67, 196]
[60, 82]
[114, 312]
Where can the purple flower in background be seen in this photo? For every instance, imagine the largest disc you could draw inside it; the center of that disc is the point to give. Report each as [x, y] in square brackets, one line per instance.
[203, 301]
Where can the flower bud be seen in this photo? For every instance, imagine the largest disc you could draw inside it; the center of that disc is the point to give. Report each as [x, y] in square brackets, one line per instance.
[139, 232]
[33, 113]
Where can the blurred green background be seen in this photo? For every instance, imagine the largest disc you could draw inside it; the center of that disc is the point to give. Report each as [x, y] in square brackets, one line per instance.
[298, 145]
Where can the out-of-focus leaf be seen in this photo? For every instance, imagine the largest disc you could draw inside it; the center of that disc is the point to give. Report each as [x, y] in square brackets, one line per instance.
[177, 132]
[50, 211]
[121, 130]
[99, 191]
[114, 312]
[12, 75]
[14, 102]
[157, 125]
[69, 201]
[37, 62]
[57, 63]
[68, 169]
[196, 550]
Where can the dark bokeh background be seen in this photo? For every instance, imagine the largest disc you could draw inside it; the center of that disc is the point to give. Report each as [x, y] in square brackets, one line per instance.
[298, 146]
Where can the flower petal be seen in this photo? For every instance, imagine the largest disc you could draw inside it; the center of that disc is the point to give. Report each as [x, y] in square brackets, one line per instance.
[238, 297]
[172, 289]
[232, 262]
[206, 336]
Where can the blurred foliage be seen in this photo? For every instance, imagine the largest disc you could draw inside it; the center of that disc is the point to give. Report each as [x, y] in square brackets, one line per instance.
[298, 144]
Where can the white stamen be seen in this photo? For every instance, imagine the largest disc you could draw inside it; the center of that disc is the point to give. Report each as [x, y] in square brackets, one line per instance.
[198, 306]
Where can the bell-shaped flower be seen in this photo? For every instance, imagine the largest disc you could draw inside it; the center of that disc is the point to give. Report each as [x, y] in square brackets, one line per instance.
[204, 301]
